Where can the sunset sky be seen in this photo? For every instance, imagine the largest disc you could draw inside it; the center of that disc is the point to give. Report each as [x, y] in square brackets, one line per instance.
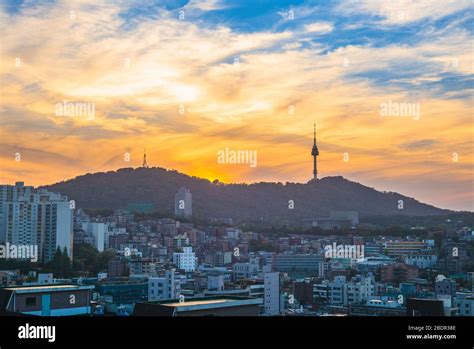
[187, 79]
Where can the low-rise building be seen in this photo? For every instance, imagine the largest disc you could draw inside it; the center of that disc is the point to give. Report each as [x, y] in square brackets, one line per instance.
[47, 300]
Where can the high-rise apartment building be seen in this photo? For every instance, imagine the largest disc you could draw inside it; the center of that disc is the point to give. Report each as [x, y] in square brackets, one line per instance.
[271, 301]
[36, 217]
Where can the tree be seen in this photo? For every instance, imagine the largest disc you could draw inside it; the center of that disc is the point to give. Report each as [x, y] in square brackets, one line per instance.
[103, 259]
[55, 264]
[65, 264]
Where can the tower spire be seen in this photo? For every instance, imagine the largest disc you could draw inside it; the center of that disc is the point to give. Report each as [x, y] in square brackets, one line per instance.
[145, 164]
[314, 138]
[315, 153]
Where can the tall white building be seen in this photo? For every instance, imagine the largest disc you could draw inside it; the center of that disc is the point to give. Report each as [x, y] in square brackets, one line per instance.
[271, 301]
[99, 232]
[185, 260]
[36, 217]
[183, 203]
[10, 193]
[164, 287]
[359, 290]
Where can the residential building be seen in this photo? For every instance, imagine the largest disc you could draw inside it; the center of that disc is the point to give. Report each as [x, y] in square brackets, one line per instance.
[164, 287]
[185, 260]
[422, 261]
[271, 299]
[36, 217]
[398, 272]
[465, 303]
[98, 231]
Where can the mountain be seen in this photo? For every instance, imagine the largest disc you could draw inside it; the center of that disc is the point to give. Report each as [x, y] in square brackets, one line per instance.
[117, 189]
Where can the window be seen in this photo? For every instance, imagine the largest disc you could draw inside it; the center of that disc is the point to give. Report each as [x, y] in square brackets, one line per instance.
[30, 301]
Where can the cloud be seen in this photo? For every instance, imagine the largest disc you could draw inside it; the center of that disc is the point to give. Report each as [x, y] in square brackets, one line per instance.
[319, 27]
[402, 12]
[183, 89]
[206, 5]
[421, 144]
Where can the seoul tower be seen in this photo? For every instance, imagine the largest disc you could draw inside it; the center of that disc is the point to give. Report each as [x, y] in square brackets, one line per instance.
[315, 153]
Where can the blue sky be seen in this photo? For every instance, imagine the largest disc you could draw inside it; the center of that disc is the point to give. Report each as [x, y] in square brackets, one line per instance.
[237, 68]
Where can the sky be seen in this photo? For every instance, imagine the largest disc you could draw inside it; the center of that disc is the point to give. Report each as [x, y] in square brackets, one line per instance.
[88, 86]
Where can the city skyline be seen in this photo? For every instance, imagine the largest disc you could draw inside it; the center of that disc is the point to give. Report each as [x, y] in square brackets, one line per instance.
[189, 79]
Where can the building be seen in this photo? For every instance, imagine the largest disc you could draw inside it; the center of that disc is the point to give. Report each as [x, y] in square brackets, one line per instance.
[180, 241]
[403, 248]
[248, 270]
[299, 264]
[303, 291]
[271, 301]
[117, 268]
[377, 307]
[220, 259]
[98, 231]
[352, 216]
[183, 204]
[339, 292]
[163, 288]
[9, 277]
[233, 233]
[359, 290]
[116, 241]
[215, 282]
[398, 272]
[10, 193]
[445, 287]
[207, 306]
[424, 307]
[185, 260]
[336, 220]
[36, 218]
[465, 303]
[422, 261]
[126, 292]
[47, 300]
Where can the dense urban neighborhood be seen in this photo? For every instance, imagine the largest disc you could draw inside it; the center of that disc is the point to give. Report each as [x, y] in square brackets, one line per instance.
[58, 259]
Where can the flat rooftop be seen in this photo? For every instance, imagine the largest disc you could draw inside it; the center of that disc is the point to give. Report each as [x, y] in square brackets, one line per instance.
[209, 303]
[47, 288]
[198, 302]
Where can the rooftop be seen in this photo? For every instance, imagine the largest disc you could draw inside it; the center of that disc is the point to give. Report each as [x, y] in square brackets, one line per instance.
[191, 304]
[47, 288]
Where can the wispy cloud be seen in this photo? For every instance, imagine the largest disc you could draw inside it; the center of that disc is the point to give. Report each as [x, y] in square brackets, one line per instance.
[186, 87]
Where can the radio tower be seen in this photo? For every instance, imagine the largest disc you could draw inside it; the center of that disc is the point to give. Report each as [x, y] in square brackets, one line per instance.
[145, 165]
[315, 153]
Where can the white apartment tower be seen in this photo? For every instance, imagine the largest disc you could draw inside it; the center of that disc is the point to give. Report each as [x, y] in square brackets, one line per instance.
[36, 217]
[271, 301]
